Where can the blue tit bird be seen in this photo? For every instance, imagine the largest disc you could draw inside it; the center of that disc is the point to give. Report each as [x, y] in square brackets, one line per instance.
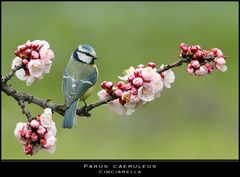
[79, 77]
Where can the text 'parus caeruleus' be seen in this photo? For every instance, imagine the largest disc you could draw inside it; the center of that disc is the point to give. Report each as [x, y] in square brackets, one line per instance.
[79, 77]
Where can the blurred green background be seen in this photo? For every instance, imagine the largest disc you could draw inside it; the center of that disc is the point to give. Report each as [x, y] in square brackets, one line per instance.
[196, 119]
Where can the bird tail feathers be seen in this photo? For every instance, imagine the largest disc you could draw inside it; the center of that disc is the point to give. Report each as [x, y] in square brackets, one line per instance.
[69, 116]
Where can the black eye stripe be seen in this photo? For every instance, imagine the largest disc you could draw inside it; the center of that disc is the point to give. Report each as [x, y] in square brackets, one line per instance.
[86, 53]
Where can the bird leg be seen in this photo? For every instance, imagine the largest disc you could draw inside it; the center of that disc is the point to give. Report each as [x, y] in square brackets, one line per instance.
[85, 110]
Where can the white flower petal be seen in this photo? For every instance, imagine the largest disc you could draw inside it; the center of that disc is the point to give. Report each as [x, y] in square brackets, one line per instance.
[50, 141]
[29, 80]
[222, 68]
[102, 95]
[21, 74]
[116, 106]
[130, 107]
[46, 118]
[50, 145]
[148, 73]
[47, 67]
[51, 131]
[170, 76]
[19, 126]
[166, 83]
[36, 68]
[146, 92]
[36, 149]
[51, 149]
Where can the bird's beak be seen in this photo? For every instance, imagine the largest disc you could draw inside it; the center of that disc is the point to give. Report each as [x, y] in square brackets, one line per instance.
[95, 58]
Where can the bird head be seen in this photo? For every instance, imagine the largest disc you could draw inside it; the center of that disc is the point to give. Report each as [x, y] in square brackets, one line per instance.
[85, 53]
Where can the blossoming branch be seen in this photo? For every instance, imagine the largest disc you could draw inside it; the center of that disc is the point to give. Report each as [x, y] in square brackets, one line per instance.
[138, 86]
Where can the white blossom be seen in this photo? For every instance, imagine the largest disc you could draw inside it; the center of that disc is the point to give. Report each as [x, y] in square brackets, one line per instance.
[168, 77]
[146, 92]
[46, 118]
[148, 73]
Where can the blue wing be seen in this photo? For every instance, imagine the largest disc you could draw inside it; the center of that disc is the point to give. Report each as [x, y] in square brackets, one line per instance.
[77, 79]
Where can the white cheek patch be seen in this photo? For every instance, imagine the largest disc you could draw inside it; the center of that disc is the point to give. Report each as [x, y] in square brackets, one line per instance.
[83, 57]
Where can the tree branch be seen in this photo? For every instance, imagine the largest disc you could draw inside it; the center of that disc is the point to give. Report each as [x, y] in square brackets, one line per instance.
[11, 73]
[25, 110]
[167, 67]
[21, 97]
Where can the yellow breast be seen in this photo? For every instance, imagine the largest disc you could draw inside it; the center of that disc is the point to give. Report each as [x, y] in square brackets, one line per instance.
[86, 94]
[90, 90]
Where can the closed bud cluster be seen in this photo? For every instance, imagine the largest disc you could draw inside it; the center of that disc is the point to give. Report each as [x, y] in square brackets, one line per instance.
[37, 134]
[202, 62]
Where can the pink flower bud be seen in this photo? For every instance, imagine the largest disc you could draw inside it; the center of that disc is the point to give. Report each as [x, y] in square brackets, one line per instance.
[22, 133]
[205, 53]
[43, 141]
[25, 61]
[137, 72]
[189, 52]
[220, 64]
[27, 148]
[134, 91]
[140, 66]
[193, 49]
[28, 44]
[209, 67]
[198, 54]
[216, 52]
[220, 61]
[190, 70]
[28, 133]
[34, 46]
[34, 137]
[118, 92]
[184, 48]
[121, 85]
[103, 84]
[41, 130]
[201, 71]
[28, 52]
[34, 124]
[131, 77]
[151, 64]
[182, 45]
[21, 48]
[17, 53]
[195, 64]
[128, 86]
[138, 81]
[109, 85]
[34, 55]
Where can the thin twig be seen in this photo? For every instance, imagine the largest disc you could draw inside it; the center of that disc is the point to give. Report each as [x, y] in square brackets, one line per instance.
[24, 110]
[167, 67]
[11, 73]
